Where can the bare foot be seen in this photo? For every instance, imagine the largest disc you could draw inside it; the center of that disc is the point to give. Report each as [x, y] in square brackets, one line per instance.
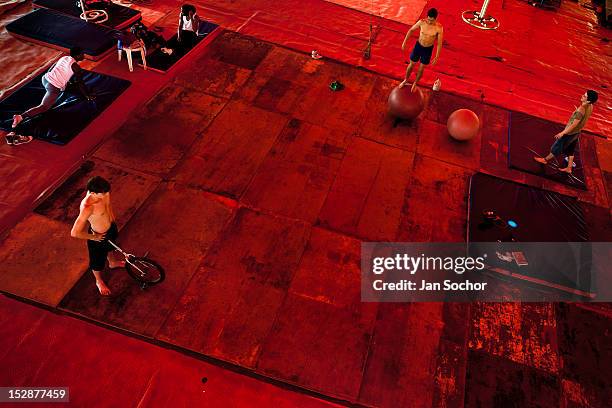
[116, 264]
[540, 160]
[413, 87]
[567, 170]
[17, 120]
[104, 290]
[14, 139]
[403, 84]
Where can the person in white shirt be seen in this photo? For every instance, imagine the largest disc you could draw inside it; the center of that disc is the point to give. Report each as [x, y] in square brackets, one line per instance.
[54, 82]
[189, 23]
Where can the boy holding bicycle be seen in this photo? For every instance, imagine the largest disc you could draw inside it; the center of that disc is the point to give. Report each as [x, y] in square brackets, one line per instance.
[96, 224]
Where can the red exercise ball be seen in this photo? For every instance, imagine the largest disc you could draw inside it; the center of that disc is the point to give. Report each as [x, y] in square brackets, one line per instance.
[463, 124]
[405, 104]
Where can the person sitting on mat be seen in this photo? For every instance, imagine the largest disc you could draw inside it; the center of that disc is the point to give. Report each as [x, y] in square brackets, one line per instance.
[189, 22]
[567, 139]
[430, 29]
[54, 82]
[96, 223]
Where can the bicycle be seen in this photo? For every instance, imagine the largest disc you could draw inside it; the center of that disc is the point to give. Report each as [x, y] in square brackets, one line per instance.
[145, 271]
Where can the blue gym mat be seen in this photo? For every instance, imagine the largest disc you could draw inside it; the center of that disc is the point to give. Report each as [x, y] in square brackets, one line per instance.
[70, 114]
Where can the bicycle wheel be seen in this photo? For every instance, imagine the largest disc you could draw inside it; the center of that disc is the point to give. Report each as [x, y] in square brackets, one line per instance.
[145, 270]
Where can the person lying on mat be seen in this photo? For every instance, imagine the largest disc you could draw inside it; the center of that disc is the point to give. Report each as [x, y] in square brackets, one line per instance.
[54, 82]
[189, 22]
[429, 30]
[140, 35]
[567, 139]
[152, 40]
[96, 223]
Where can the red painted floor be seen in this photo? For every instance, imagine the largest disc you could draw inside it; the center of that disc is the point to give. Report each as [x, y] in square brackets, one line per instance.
[566, 53]
[105, 368]
[285, 179]
[538, 62]
[267, 278]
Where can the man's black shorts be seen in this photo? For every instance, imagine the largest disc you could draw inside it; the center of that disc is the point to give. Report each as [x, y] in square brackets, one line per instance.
[565, 145]
[421, 53]
[98, 250]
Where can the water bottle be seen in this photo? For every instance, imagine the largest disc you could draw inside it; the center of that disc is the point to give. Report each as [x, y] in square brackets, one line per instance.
[437, 84]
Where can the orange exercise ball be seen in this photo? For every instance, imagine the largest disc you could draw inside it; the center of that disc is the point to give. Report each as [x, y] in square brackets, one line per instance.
[405, 104]
[463, 124]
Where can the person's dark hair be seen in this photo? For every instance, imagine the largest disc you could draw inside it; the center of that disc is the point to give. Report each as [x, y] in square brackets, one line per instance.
[76, 52]
[138, 27]
[432, 12]
[139, 30]
[186, 8]
[98, 184]
[592, 96]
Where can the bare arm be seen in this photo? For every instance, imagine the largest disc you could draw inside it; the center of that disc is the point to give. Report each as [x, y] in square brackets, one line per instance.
[111, 214]
[570, 126]
[78, 75]
[409, 33]
[79, 229]
[439, 47]
[196, 23]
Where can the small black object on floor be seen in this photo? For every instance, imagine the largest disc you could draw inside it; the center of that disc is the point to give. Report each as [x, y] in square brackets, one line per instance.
[70, 114]
[529, 136]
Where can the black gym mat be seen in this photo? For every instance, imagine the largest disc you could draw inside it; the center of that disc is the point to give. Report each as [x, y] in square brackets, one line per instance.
[70, 114]
[540, 216]
[528, 137]
[161, 62]
[60, 31]
[118, 16]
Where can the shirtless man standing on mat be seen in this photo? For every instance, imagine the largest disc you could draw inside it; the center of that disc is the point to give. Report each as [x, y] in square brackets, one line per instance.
[423, 48]
[96, 224]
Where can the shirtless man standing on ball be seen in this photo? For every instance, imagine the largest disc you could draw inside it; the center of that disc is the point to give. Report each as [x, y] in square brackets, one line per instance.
[96, 224]
[430, 30]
